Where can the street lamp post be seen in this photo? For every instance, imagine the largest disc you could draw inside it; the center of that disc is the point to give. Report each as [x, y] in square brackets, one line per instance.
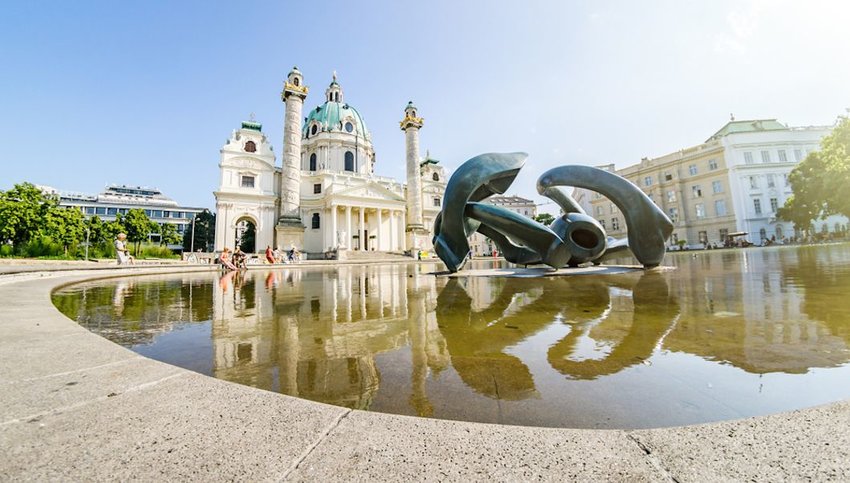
[192, 241]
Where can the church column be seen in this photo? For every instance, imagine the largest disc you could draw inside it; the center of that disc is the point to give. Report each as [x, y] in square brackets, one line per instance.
[334, 237]
[392, 238]
[361, 229]
[348, 233]
[380, 232]
[290, 229]
[402, 242]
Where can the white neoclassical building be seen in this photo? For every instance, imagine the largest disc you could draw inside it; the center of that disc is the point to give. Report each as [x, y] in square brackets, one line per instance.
[326, 196]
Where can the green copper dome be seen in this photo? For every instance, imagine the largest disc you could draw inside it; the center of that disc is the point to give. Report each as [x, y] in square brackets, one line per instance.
[334, 116]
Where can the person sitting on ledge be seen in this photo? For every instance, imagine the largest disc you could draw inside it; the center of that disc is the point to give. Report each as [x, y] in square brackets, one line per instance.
[122, 252]
[239, 258]
[225, 259]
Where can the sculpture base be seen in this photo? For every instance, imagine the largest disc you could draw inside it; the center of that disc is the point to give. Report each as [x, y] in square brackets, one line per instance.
[537, 272]
[417, 239]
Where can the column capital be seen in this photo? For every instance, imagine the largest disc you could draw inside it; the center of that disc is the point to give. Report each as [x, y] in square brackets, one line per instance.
[410, 122]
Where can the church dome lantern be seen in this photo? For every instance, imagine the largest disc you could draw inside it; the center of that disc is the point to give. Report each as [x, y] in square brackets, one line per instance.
[335, 115]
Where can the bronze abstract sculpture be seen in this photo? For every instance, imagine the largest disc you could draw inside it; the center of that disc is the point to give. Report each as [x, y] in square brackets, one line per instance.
[574, 238]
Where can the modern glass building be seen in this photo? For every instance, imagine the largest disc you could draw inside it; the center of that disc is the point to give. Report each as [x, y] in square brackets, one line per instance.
[117, 199]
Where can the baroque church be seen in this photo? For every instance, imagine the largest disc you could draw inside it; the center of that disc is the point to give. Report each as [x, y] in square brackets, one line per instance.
[325, 199]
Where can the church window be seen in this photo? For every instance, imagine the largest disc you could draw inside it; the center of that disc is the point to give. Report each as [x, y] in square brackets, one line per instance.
[349, 127]
[250, 147]
[317, 188]
[435, 177]
[295, 81]
[349, 161]
[314, 129]
[436, 201]
[247, 182]
[316, 221]
[313, 161]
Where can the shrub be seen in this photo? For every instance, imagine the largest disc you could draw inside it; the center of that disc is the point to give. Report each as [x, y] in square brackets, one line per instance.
[155, 251]
[42, 246]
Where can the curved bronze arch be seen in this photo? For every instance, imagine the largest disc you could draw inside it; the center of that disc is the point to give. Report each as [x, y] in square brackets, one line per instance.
[476, 179]
[648, 226]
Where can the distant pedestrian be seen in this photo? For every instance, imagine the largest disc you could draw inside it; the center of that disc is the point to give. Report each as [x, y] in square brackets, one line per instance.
[269, 254]
[121, 251]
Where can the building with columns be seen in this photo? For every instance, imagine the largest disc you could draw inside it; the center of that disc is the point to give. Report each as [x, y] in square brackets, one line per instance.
[326, 197]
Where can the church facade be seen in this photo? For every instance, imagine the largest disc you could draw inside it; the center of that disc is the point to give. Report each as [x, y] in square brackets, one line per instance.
[325, 197]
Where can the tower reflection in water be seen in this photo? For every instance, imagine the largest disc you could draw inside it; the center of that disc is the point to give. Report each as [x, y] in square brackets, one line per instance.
[726, 334]
[316, 334]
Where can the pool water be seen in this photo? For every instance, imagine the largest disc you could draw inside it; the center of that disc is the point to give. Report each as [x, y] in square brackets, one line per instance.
[725, 334]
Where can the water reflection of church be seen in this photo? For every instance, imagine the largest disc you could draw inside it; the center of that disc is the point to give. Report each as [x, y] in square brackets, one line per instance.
[315, 334]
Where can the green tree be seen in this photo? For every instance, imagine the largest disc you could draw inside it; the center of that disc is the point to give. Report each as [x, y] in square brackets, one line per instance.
[248, 241]
[96, 229]
[65, 226]
[204, 232]
[820, 182]
[22, 213]
[544, 218]
[137, 226]
[168, 234]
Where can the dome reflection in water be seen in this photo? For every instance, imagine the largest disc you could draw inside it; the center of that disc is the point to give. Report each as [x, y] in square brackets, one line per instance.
[726, 334]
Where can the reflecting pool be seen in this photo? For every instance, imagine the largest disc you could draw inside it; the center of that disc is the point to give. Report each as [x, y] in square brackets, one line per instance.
[727, 334]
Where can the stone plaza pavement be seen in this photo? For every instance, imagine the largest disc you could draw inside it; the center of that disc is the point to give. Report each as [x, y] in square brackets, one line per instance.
[74, 406]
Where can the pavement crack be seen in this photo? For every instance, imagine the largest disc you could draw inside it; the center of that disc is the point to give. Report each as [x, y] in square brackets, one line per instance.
[654, 461]
[333, 425]
[139, 387]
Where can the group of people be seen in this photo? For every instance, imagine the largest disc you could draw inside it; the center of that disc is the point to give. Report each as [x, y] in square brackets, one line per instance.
[279, 256]
[238, 260]
[235, 260]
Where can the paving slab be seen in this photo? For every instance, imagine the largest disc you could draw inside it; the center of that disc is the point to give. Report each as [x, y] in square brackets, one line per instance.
[183, 427]
[811, 444]
[33, 397]
[373, 446]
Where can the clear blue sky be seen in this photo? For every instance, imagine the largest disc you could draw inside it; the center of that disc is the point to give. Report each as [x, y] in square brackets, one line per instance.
[147, 92]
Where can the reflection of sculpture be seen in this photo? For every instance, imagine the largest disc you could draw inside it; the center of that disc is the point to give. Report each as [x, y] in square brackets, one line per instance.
[655, 310]
[573, 238]
[484, 343]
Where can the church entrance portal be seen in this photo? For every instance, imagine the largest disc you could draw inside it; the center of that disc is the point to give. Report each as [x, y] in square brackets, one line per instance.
[246, 235]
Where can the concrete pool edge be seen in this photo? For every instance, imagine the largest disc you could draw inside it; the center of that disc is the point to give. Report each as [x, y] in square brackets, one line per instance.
[74, 405]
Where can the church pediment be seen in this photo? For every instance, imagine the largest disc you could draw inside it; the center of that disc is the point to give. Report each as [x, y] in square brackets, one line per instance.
[251, 163]
[370, 190]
